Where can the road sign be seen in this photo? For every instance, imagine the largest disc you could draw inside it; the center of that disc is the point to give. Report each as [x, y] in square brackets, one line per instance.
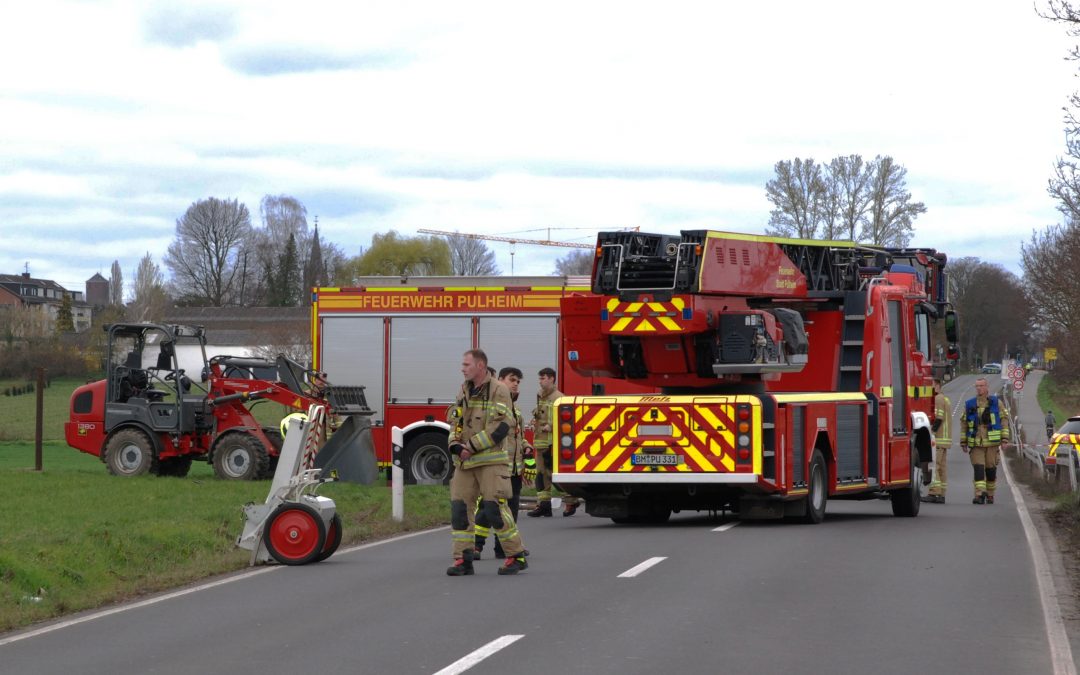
[1011, 370]
[1018, 384]
[1019, 373]
[1050, 353]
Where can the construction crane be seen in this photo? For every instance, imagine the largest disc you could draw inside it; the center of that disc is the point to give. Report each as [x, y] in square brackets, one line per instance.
[511, 240]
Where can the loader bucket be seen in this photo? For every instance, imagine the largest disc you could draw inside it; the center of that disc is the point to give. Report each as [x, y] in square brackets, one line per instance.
[351, 451]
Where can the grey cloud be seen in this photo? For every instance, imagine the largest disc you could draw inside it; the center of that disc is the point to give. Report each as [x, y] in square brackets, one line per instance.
[285, 60]
[185, 24]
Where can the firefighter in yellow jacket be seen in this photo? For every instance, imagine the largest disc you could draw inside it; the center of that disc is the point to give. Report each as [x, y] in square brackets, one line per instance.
[542, 423]
[477, 441]
[519, 450]
[943, 440]
[986, 429]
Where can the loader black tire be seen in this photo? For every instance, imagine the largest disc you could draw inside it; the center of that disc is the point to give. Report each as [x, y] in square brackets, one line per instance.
[905, 502]
[129, 452]
[275, 452]
[427, 461]
[177, 467]
[240, 456]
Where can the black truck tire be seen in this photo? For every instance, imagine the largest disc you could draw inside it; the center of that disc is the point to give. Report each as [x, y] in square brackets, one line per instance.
[240, 456]
[905, 502]
[129, 452]
[818, 495]
[427, 461]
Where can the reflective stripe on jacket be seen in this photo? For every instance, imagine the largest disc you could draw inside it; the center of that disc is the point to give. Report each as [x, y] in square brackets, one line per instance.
[943, 412]
[477, 420]
[996, 431]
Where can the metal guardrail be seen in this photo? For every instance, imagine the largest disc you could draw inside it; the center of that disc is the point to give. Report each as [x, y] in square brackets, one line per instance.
[1066, 465]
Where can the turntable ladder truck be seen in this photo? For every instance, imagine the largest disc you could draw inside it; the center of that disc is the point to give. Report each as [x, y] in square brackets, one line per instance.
[790, 372]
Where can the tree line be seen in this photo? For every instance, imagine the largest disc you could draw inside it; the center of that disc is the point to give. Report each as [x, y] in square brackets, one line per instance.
[219, 257]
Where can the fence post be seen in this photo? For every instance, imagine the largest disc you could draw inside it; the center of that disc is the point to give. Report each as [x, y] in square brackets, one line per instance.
[397, 475]
[39, 422]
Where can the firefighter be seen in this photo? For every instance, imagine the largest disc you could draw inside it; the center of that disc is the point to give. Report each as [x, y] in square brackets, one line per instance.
[943, 439]
[542, 419]
[986, 429]
[481, 424]
[518, 450]
[302, 417]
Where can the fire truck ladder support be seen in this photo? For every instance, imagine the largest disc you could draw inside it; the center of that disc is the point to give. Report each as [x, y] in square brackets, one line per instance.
[851, 345]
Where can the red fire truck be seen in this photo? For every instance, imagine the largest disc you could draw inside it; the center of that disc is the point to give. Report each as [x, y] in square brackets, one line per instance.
[790, 372]
[402, 339]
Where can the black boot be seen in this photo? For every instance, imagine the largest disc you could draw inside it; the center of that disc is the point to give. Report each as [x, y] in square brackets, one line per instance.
[462, 567]
[542, 509]
[514, 565]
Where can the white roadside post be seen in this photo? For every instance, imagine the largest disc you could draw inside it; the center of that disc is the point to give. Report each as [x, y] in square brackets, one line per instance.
[397, 475]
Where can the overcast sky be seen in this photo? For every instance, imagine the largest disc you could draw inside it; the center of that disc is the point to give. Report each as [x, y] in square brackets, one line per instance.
[508, 118]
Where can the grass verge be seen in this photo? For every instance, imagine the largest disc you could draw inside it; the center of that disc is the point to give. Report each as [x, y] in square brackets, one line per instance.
[76, 538]
[1060, 396]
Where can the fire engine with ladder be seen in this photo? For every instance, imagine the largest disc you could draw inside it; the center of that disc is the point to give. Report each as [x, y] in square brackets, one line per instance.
[790, 372]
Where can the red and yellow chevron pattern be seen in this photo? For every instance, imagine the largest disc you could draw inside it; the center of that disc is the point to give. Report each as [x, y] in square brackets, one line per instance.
[698, 433]
[645, 317]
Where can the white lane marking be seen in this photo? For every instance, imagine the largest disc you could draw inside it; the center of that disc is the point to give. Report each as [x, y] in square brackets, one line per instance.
[187, 591]
[1060, 652]
[726, 527]
[638, 569]
[470, 660]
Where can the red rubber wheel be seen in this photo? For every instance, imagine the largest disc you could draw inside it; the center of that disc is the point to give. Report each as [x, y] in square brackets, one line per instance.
[295, 534]
[333, 539]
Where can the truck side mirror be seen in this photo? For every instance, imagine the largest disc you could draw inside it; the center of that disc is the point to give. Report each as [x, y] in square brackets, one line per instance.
[952, 327]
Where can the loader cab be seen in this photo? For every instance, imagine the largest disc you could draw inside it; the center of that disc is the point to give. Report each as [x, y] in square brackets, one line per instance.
[145, 383]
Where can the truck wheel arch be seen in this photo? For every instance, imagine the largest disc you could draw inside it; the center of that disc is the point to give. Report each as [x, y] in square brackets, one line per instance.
[425, 457]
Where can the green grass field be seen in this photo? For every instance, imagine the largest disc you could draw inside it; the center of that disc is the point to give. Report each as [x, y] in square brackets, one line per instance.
[17, 413]
[76, 538]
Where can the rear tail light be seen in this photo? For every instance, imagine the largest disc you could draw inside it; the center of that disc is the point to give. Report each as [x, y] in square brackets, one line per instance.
[744, 439]
[566, 434]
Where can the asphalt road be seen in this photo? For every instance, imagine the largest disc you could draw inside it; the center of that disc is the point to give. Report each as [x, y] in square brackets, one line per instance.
[951, 591]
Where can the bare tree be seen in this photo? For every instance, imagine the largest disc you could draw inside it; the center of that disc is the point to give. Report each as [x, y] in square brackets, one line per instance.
[116, 285]
[204, 256]
[283, 216]
[849, 181]
[1064, 185]
[575, 264]
[471, 257]
[993, 306]
[285, 338]
[1055, 297]
[891, 216]
[334, 262]
[798, 193]
[149, 299]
